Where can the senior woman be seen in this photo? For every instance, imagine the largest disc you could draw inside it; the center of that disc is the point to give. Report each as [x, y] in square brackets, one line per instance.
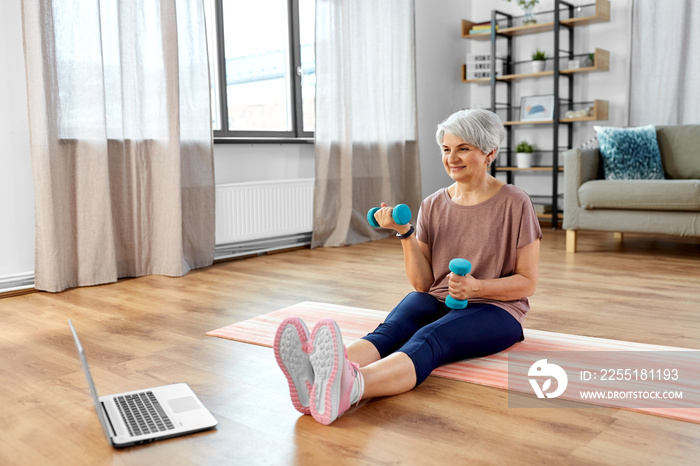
[478, 217]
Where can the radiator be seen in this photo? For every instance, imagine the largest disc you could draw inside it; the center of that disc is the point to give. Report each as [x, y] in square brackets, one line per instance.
[257, 211]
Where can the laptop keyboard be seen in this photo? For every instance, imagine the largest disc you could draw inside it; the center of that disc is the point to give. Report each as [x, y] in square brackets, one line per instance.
[142, 413]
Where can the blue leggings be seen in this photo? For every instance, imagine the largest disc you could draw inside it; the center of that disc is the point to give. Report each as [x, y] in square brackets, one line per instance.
[432, 334]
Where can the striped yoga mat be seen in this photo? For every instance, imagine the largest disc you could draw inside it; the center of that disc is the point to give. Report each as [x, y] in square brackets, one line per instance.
[490, 371]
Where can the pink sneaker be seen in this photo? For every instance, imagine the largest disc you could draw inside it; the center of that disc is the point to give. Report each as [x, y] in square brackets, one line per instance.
[337, 381]
[291, 344]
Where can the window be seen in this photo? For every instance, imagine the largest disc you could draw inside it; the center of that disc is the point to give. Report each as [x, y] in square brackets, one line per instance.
[263, 68]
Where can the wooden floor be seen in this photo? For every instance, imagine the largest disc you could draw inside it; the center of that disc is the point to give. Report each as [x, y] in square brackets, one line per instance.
[150, 331]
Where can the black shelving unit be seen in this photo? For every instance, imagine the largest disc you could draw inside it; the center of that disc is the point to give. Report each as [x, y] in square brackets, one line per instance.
[505, 28]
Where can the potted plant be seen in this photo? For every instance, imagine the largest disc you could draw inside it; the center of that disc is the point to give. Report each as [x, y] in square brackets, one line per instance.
[538, 61]
[528, 7]
[591, 59]
[523, 155]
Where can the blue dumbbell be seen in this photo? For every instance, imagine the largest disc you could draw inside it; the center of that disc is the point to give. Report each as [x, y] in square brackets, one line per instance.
[401, 214]
[459, 267]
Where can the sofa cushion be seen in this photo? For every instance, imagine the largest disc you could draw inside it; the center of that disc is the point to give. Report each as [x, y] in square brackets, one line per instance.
[678, 195]
[630, 153]
[680, 151]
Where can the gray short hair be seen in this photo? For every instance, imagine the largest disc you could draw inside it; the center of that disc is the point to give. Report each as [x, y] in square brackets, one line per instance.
[477, 126]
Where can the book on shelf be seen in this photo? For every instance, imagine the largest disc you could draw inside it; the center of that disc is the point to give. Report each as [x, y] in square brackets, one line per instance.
[542, 209]
[481, 31]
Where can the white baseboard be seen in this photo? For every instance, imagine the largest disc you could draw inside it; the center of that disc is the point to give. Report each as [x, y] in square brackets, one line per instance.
[25, 281]
[261, 246]
[16, 282]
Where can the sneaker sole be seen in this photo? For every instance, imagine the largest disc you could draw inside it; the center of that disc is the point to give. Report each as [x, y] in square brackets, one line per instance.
[327, 353]
[291, 340]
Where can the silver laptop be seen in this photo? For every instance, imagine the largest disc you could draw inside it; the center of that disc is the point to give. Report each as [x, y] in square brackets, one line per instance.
[143, 416]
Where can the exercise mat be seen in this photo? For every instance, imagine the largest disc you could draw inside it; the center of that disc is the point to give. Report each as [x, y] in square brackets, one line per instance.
[494, 370]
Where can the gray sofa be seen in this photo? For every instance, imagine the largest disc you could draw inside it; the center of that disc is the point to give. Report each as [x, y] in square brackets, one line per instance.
[669, 207]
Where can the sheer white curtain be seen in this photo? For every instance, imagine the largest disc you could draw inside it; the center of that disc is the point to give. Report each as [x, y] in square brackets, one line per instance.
[665, 70]
[120, 133]
[366, 148]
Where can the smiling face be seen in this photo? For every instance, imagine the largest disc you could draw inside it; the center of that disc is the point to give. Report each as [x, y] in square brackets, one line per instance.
[462, 160]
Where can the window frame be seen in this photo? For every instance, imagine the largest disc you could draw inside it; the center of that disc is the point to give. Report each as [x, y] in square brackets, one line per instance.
[297, 133]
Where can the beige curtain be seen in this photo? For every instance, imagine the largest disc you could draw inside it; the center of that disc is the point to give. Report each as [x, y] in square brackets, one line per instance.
[365, 139]
[665, 69]
[120, 133]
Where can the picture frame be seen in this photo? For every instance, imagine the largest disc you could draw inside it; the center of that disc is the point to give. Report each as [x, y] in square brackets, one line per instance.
[537, 108]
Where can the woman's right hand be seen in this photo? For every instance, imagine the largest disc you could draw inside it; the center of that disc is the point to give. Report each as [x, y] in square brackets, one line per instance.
[386, 220]
[416, 254]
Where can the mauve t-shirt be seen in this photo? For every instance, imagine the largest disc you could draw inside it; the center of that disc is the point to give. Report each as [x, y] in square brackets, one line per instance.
[486, 234]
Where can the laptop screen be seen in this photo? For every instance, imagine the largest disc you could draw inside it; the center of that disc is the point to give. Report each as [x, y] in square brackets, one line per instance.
[91, 385]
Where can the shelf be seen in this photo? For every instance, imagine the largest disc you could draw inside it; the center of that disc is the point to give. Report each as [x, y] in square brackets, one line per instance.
[548, 216]
[511, 77]
[602, 14]
[601, 62]
[542, 122]
[600, 113]
[465, 80]
[530, 29]
[561, 17]
[531, 169]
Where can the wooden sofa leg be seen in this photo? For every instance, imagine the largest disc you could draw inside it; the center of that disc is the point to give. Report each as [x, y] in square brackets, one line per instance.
[618, 237]
[570, 240]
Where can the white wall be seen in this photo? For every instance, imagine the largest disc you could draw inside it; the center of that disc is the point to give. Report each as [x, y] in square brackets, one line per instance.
[16, 189]
[235, 163]
[440, 91]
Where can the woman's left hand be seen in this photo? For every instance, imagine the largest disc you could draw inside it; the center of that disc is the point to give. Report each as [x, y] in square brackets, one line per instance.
[463, 286]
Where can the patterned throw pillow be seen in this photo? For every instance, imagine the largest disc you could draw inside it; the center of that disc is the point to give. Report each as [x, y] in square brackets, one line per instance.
[630, 153]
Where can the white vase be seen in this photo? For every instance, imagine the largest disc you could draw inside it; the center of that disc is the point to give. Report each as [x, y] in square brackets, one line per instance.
[523, 159]
[538, 66]
[529, 17]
